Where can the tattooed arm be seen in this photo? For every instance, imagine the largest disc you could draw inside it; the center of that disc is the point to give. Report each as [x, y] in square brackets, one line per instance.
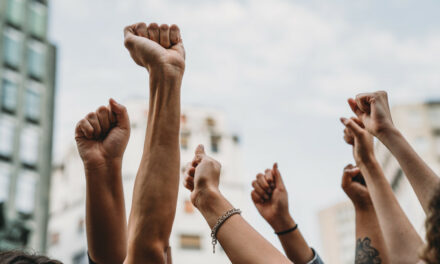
[370, 245]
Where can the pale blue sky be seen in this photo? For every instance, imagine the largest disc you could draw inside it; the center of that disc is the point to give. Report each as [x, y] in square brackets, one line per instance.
[281, 70]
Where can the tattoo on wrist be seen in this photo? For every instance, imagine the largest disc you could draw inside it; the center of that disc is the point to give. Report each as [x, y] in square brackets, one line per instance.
[365, 253]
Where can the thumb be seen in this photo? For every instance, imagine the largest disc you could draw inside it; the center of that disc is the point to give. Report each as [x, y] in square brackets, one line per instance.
[278, 180]
[121, 114]
[200, 150]
[352, 126]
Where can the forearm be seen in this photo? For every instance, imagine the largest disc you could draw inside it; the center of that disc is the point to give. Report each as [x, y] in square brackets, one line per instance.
[422, 178]
[105, 214]
[369, 238]
[236, 232]
[294, 244]
[157, 181]
[400, 237]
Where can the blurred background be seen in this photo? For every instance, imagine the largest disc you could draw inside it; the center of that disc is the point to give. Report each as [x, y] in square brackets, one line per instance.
[265, 81]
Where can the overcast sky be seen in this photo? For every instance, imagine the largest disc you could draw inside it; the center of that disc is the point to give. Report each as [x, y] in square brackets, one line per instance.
[280, 70]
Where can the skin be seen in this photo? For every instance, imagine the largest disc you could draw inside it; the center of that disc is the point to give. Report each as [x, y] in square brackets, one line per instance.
[371, 247]
[271, 200]
[374, 112]
[158, 49]
[101, 138]
[202, 179]
[401, 239]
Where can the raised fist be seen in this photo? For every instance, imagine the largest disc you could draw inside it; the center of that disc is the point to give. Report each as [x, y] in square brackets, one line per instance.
[102, 136]
[361, 140]
[156, 48]
[270, 197]
[202, 176]
[353, 184]
[373, 110]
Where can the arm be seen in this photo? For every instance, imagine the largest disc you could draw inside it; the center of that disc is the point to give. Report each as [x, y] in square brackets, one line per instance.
[373, 110]
[101, 139]
[370, 244]
[270, 198]
[400, 237]
[160, 51]
[202, 179]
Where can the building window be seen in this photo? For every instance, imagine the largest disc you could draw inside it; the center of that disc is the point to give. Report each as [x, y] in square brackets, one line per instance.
[9, 95]
[5, 176]
[32, 104]
[37, 19]
[210, 122]
[12, 48]
[36, 60]
[189, 208]
[15, 11]
[29, 143]
[215, 143]
[25, 194]
[184, 139]
[190, 241]
[7, 136]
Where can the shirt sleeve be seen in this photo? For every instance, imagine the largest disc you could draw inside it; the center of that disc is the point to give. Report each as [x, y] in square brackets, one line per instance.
[316, 259]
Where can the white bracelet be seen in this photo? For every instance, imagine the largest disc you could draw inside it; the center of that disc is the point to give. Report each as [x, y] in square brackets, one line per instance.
[220, 222]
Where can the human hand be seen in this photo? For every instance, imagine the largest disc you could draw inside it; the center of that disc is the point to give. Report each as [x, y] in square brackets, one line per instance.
[102, 136]
[361, 140]
[271, 199]
[353, 184]
[374, 112]
[202, 177]
[159, 49]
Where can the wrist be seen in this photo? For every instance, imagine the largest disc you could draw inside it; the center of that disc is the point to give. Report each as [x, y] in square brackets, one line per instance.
[205, 198]
[367, 161]
[386, 132]
[365, 206]
[282, 223]
[166, 71]
[106, 165]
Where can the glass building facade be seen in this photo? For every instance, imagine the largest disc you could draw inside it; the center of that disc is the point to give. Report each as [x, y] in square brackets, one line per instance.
[27, 87]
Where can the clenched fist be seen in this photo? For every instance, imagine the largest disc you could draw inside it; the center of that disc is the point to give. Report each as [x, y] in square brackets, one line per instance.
[157, 48]
[102, 136]
[353, 184]
[374, 111]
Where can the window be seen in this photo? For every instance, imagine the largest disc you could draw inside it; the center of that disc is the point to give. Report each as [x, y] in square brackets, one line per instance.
[36, 60]
[184, 139]
[25, 194]
[190, 241]
[15, 11]
[33, 104]
[29, 142]
[7, 136]
[12, 47]
[210, 122]
[215, 143]
[9, 95]
[189, 208]
[5, 175]
[37, 19]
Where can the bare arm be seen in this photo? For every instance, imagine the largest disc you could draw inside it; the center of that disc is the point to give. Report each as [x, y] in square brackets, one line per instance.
[400, 237]
[101, 138]
[373, 110]
[240, 241]
[270, 198]
[156, 185]
[370, 244]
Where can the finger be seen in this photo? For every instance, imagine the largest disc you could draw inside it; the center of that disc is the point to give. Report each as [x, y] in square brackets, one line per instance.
[129, 36]
[165, 36]
[263, 183]
[348, 136]
[256, 198]
[121, 114]
[352, 126]
[260, 190]
[277, 176]
[153, 32]
[363, 102]
[199, 155]
[141, 30]
[354, 107]
[83, 128]
[349, 166]
[93, 120]
[358, 121]
[270, 178]
[188, 183]
[103, 114]
[174, 34]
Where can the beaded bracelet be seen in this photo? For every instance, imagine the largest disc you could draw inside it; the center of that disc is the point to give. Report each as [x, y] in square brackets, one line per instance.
[220, 222]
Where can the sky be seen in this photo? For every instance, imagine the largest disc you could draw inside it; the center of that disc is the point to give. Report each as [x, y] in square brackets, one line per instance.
[280, 70]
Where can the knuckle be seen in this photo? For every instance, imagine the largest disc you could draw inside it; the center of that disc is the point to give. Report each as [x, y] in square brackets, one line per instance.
[164, 27]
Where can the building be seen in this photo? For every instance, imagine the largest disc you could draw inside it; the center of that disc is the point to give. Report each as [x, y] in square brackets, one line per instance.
[190, 240]
[27, 87]
[420, 124]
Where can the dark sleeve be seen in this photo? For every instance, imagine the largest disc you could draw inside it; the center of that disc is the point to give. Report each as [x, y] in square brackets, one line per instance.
[90, 260]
